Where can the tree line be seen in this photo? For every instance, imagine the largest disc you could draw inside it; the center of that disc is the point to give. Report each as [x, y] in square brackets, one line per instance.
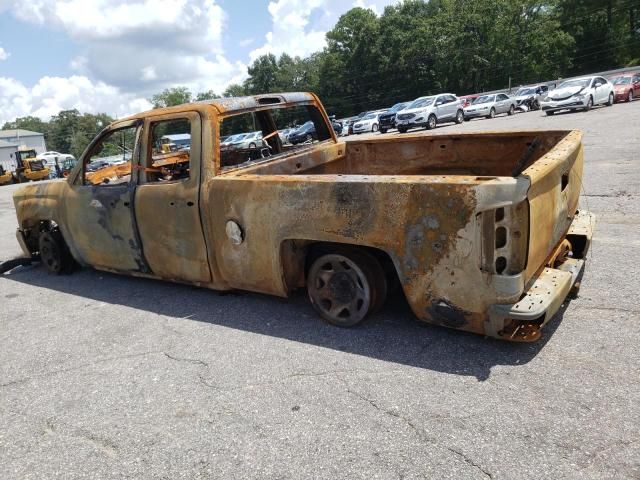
[418, 48]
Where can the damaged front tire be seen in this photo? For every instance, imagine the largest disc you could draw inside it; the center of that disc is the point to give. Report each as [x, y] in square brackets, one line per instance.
[54, 252]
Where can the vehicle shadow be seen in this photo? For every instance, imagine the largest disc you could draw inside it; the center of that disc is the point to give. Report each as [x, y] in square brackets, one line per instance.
[392, 335]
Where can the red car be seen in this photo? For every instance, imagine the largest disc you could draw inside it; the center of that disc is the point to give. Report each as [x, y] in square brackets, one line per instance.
[626, 87]
[467, 99]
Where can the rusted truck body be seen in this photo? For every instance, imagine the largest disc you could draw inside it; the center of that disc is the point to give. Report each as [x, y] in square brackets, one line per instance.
[480, 230]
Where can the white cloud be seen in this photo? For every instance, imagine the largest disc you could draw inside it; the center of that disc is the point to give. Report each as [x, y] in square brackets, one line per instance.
[129, 50]
[299, 26]
[140, 45]
[4, 54]
[52, 94]
[245, 42]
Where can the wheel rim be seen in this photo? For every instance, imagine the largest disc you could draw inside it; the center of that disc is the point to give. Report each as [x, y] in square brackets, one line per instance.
[460, 118]
[492, 113]
[630, 95]
[511, 109]
[49, 255]
[339, 289]
[375, 127]
[610, 98]
[432, 122]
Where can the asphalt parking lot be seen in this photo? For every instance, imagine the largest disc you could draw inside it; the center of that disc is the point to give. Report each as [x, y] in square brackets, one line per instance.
[104, 376]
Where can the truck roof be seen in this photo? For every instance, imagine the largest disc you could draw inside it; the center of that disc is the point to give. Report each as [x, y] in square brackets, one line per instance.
[239, 104]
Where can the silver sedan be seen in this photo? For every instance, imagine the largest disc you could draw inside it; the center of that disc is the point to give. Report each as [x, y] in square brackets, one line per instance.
[490, 105]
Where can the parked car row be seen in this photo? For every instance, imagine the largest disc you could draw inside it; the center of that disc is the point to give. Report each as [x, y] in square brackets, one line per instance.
[432, 110]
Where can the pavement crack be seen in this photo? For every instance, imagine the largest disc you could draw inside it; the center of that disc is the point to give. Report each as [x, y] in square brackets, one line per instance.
[188, 360]
[419, 432]
[469, 461]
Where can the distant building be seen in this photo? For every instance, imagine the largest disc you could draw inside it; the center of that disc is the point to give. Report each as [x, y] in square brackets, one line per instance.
[11, 140]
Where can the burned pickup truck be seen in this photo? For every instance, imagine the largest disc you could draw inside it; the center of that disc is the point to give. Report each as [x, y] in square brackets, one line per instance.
[481, 231]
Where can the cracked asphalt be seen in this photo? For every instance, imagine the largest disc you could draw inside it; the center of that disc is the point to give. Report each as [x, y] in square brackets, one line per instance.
[104, 376]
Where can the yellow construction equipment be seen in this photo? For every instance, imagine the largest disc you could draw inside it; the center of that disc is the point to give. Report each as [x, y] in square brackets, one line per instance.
[28, 167]
[5, 176]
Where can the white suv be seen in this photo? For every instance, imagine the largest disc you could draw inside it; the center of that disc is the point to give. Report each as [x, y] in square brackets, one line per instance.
[579, 93]
[430, 111]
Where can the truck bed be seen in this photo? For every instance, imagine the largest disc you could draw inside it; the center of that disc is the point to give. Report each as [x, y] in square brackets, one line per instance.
[482, 155]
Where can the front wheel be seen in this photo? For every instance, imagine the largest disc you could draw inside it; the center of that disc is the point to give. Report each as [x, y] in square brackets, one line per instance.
[589, 104]
[402, 130]
[512, 110]
[549, 112]
[630, 96]
[610, 100]
[345, 286]
[374, 128]
[383, 130]
[492, 113]
[459, 117]
[432, 121]
[54, 253]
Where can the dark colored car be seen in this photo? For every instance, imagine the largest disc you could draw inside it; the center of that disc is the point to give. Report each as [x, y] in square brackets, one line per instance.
[306, 133]
[387, 120]
[626, 87]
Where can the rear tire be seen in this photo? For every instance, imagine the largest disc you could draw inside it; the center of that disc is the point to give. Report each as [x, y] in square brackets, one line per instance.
[512, 110]
[54, 252]
[345, 286]
[610, 100]
[492, 113]
[374, 128]
[383, 130]
[459, 117]
[402, 130]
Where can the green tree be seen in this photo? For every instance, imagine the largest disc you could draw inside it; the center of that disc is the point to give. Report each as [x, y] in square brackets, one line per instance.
[262, 75]
[235, 90]
[171, 97]
[208, 95]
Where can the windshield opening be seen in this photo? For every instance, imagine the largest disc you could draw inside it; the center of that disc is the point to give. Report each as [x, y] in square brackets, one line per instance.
[422, 102]
[483, 99]
[575, 83]
[622, 81]
[525, 91]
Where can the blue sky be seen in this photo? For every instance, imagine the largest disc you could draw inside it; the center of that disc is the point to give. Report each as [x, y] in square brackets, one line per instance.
[111, 55]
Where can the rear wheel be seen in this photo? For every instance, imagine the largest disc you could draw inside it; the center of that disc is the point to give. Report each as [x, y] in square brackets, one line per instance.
[402, 130]
[54, 253]
[460, 116]
[432, 121]
[374, 128]
[492, 113]
[512, 110]
[345, 286]
[383, 130]
[610, 100]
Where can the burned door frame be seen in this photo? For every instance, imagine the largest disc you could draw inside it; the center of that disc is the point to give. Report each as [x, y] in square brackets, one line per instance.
[168, 213]
[99, 218]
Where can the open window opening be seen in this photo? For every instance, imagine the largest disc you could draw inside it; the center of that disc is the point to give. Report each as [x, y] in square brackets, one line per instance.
[169, 153]
[250, 137]
[109, 161]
